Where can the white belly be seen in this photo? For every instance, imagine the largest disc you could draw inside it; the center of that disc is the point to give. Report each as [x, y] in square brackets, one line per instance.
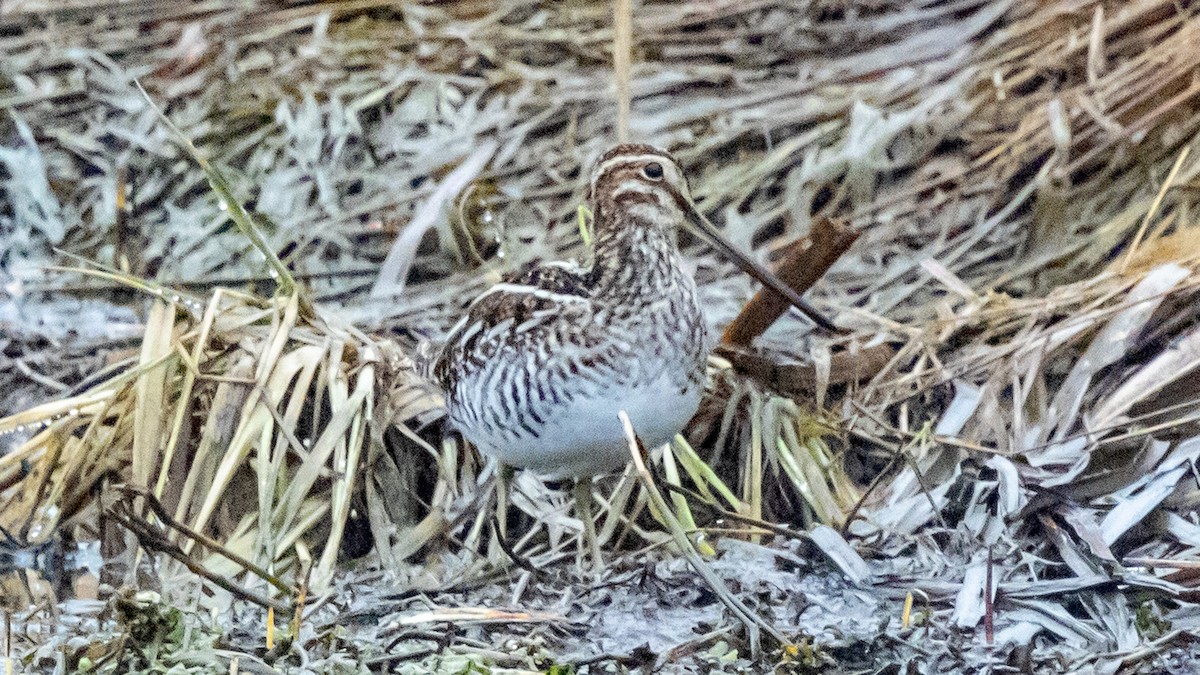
[585, 436]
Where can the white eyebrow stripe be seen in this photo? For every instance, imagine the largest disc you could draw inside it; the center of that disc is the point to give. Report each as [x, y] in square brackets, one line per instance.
[522, 289]
[626, 159]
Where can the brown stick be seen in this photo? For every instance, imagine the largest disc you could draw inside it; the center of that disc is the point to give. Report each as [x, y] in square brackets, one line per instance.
[804, 262]
[845, 368]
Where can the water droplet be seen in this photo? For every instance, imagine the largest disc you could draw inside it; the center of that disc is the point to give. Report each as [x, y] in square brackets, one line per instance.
[221, 204]
[73, 412]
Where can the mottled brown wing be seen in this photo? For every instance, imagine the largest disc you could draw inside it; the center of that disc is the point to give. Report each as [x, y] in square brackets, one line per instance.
[518, 298]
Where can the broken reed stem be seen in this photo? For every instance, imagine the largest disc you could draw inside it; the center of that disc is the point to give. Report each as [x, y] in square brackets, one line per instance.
[804, 262]
[1153, 210]
[623, 63]
[752, 622]
[845, 367]
[393, 273]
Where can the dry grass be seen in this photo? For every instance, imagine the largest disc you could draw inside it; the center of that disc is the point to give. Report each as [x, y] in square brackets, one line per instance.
[1023, 175]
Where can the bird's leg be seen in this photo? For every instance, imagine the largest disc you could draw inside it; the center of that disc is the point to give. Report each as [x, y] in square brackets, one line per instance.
[583, 504]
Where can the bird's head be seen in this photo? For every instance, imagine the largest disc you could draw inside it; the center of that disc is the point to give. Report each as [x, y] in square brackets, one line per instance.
[643, 181]
[635, 185]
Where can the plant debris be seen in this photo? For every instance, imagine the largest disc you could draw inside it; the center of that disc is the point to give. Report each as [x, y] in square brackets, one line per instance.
[993, 470]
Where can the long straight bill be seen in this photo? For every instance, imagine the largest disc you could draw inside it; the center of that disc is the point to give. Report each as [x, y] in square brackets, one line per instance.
[714, 237]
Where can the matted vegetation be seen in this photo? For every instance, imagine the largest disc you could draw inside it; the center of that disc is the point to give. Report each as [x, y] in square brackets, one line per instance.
[1014, 408]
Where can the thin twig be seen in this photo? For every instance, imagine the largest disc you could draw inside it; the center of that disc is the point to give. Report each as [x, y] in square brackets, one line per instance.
[160, 512]
[1153, 210]
[150, 539]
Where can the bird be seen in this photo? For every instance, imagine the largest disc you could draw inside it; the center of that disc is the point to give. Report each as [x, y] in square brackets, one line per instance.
[541, 363]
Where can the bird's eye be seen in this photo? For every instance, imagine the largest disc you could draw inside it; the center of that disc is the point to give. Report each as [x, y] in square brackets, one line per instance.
[653, 171]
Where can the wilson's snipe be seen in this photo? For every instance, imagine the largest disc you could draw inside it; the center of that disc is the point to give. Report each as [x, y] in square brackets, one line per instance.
[536, 372]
